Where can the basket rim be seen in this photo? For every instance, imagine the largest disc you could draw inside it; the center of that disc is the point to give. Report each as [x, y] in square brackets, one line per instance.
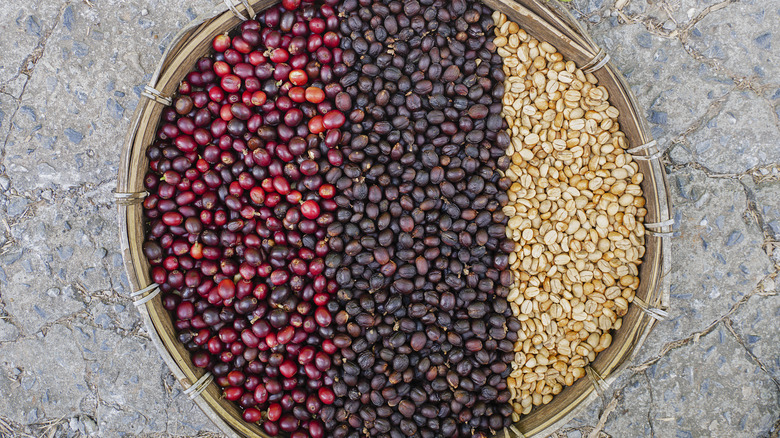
[528, 11]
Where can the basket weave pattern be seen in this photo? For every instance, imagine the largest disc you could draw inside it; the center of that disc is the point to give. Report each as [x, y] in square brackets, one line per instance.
[544, 23]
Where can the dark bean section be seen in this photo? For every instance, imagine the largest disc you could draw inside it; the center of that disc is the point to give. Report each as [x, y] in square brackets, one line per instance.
[418, 245]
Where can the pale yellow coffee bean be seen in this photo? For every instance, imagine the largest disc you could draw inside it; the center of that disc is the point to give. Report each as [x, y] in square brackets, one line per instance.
[575, 212]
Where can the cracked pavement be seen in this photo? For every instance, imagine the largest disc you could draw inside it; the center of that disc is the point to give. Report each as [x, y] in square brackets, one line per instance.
[75, 358]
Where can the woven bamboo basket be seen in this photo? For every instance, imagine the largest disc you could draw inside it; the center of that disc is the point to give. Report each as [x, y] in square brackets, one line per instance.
[538, 19]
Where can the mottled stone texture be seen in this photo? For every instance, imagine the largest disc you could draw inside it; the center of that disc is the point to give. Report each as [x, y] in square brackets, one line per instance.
[75, 358]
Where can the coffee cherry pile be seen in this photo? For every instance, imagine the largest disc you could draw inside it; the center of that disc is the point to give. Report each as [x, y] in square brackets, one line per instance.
[238, 212]
[325, 219]
[426, 333]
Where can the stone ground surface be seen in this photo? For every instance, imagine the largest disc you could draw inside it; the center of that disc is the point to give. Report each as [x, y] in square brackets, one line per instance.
[75, 358]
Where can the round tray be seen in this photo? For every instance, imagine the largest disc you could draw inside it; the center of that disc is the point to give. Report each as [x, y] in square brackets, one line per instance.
[536, 17]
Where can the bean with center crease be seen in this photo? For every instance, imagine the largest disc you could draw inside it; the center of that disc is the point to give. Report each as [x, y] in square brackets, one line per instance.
[576, 230]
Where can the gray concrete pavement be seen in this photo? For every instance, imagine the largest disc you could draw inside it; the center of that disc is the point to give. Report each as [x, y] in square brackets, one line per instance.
[75, 358]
